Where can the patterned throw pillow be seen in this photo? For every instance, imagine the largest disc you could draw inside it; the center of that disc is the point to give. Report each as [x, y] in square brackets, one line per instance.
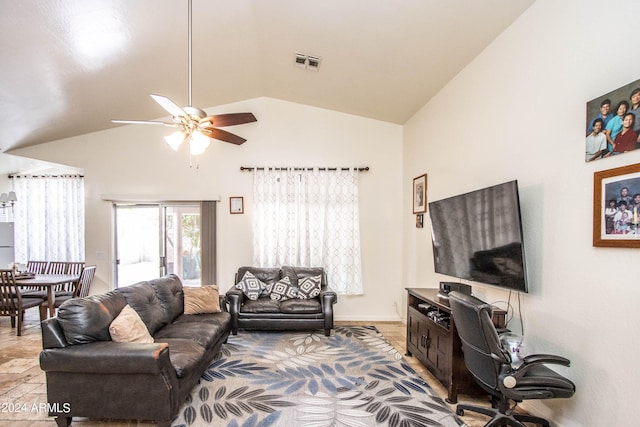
[309, 287]
[283, 290]
[251, 286]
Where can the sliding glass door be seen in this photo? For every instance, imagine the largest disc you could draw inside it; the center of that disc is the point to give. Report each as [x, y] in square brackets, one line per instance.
[152, 240]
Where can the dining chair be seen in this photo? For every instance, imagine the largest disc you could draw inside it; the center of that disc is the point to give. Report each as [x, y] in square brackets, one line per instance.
[86, 279]
[12, 303]
[64, 267]
[81, 290]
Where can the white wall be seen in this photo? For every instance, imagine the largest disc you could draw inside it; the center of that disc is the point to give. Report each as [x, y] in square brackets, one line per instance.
[518, 112]
[135, 160]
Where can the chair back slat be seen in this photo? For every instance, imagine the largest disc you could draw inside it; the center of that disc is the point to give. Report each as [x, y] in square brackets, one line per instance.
[9, 294]
[37, 267]
[74, 268]
[84, 284]
[56, 267]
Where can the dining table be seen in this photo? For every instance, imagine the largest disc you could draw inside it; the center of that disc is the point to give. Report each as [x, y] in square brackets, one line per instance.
[48, 282]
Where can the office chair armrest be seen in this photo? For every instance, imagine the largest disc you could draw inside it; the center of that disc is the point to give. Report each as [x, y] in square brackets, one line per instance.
[546, 358]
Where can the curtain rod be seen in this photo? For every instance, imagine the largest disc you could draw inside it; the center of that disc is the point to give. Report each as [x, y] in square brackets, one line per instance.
[250, 168]
[47, 176]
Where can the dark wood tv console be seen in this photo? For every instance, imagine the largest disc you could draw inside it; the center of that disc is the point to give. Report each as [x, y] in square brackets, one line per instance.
[433, 340]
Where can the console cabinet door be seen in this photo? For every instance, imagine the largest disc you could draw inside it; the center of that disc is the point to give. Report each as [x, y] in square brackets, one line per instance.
[416, 334]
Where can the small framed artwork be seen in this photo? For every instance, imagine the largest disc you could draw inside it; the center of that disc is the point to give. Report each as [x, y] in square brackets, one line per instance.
[420, 194]
[616, 207]
[419, 221]
[236, 205]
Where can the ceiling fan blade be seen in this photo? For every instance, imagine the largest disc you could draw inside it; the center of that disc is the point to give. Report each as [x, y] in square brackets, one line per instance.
[144, 122]
[173, 108]
[222, 120]
[223, 135]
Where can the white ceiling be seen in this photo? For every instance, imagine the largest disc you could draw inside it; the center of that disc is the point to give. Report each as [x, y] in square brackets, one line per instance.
[69, 67]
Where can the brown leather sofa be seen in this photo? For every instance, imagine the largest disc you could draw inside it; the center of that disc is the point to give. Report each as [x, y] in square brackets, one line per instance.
[88, 375]
[265, 313]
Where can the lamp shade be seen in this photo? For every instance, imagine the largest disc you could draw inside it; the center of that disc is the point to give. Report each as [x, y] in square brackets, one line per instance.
[199, 143]
[175, 139]
[12, 196]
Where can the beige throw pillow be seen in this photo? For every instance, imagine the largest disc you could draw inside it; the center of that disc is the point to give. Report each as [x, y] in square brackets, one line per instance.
[205, 299]
[129, 327]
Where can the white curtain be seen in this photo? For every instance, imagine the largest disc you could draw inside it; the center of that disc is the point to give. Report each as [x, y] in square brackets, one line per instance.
[309, 218]
[49, 218]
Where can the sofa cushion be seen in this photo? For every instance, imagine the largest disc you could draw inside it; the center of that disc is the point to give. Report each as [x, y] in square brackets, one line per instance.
[144, 299]
[251, 286]
[301, 306]
[309, 287]
[185, 355]
[202, 333]
[128, 327]
[169, 293]
[283, 290]
[261, 305]
[205, 299]
[85, 320]
[222, 319]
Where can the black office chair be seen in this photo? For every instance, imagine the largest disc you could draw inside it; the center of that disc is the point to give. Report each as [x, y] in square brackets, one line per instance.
[490, 365]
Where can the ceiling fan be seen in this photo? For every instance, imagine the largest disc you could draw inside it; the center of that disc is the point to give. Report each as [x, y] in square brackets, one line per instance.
[194, 125]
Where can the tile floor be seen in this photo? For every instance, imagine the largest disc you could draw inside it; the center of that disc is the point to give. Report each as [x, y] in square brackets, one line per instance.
[23, 388]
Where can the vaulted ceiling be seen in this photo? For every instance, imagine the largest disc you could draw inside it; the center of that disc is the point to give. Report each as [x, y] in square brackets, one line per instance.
[69, 67]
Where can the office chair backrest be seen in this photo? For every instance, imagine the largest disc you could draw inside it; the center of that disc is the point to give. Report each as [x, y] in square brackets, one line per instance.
[483, 354]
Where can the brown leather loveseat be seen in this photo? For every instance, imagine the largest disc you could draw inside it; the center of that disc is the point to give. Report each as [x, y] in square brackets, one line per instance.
[276, 301]
[89, 375]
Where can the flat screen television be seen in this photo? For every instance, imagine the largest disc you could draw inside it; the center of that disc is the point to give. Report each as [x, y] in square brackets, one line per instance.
[478, 236]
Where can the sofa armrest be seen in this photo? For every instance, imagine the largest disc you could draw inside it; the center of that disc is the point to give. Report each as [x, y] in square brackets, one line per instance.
[328, 297]
[223, 303]
[234, 299]
[108, 357]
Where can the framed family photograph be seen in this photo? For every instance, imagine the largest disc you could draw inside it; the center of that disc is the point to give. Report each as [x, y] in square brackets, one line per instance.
[420, 194]
[616, 207]
[613, 123]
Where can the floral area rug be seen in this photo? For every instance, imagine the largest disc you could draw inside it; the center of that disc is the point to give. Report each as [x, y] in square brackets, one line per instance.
[353, 378]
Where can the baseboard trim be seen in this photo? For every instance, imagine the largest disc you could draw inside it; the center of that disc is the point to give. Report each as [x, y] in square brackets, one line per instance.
[369, 319]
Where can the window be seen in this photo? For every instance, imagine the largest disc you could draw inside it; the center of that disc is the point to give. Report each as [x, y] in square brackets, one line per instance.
[49, 218]
[155, 239]
[309, 218]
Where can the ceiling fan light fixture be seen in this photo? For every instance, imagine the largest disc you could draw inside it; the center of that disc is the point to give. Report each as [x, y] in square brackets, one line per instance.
[199, 143]
[194, 125]
[175, 139]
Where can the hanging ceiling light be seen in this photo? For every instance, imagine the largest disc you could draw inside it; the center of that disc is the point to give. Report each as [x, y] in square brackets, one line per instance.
[194, 126]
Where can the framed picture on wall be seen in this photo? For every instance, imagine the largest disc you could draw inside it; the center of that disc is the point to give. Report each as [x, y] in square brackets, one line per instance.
[420, 194]
[616, 207]
[613, 122]
[236, 205]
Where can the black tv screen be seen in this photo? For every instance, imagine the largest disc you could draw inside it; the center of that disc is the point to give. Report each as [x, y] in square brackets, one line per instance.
[478, 236]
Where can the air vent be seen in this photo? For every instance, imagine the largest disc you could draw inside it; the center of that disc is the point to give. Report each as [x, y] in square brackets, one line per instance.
[307, 62]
